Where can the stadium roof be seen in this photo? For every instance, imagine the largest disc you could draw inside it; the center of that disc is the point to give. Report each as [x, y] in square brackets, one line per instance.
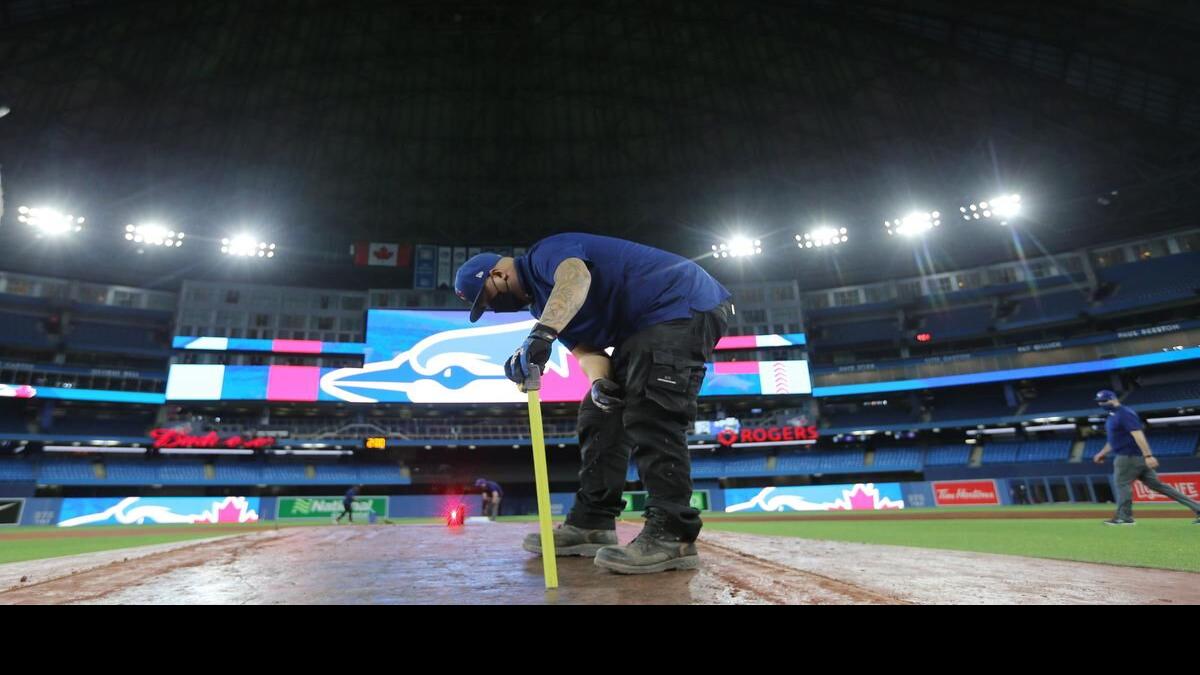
[675, 123]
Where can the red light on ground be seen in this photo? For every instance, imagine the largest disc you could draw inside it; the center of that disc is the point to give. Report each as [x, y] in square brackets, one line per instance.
[456, 516]
[924, 337]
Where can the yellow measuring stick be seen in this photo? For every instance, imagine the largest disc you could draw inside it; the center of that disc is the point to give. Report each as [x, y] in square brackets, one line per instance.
[541, 477]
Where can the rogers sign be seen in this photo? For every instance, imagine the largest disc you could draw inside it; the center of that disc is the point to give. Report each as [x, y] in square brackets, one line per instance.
[170, 438]
[729, 437]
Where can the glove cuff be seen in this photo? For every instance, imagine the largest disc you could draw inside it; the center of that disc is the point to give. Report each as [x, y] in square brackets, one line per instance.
[544, 332]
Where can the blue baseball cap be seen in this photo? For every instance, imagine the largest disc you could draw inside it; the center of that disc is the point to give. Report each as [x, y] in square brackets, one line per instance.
[1105, 395]
[468, 282]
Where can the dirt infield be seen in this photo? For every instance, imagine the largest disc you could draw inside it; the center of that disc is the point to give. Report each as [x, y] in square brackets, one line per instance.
[483, 564]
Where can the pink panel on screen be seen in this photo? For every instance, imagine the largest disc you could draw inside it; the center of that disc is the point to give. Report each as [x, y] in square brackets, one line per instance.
[735, 368]
[556, 388]
[296, 346]
[293, 383]
[738, 342]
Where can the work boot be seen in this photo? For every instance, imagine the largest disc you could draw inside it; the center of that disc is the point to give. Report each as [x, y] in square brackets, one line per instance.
[571, 540]
[654, 550]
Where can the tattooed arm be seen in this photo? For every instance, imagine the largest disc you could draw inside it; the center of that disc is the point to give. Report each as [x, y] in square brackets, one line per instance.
[571, 283]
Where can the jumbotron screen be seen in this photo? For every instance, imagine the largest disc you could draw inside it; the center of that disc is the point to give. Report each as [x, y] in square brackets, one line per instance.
[416, 356]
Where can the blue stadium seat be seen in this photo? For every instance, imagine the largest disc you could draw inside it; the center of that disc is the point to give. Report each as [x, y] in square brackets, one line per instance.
[1173, 278]
[335, 473]
[1046, 309]
[959, 323]
[1165, 393]
[1000, 453]
[870, 417]
[17, 469]
[858, 332]
[131, 472]
[1064, 399]
[897, 459]
[66, 471]
[379, 474]
[181, 472]
[1043, 451]
[1092, 447]
[232, 472]
[751, 465]
[947, 455]
[115, 339]
[84, 424]
[707, 467]
[1169, 444]
[285, 474]
[20, 330]
[970, 404]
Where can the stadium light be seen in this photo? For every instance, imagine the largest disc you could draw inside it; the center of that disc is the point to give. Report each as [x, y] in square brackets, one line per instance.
[823, 236]
[914, 224]
[1000, 208]
[49, 222]
[247, 246]
[737, 247]
[153, 234]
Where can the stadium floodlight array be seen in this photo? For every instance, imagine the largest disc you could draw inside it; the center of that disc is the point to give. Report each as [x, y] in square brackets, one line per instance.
[737, 247]
[823, 236]
[1000, 208]
[153, 234]
[247, 246]
[914, 224]
[49, 222]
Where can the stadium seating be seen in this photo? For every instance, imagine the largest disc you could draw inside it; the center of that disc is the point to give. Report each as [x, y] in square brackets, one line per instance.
[857, 333]
[22, 331]
[1141, 284]
[1046, 309]
[1165, 393]
[947, 455]
[958, 323]
[115, 339]
[897, 459]
[970, 404]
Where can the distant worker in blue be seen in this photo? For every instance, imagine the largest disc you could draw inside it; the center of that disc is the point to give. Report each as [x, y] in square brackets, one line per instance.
[348, 504]
[662, 315]
[492, 494]
[1134, 460]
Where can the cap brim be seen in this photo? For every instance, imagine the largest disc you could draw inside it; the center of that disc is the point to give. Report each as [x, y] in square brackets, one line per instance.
[480, 304]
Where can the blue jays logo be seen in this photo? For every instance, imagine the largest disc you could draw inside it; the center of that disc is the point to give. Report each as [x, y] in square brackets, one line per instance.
[452, 366]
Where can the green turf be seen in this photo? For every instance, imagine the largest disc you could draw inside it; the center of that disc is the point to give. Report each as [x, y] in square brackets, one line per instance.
[1096, 508]
[17, 550]
[1166, 543]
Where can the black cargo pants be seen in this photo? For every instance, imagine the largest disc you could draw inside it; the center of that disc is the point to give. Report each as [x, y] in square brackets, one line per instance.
[661, 369]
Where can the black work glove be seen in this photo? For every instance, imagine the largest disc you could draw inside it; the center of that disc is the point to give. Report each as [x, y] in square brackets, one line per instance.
[607, 394]
[535, 351]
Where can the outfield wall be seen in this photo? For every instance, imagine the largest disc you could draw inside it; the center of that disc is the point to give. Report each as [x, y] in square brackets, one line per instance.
[947, 494]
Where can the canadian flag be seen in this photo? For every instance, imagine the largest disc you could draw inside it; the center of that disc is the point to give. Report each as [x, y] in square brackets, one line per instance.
[382, 254]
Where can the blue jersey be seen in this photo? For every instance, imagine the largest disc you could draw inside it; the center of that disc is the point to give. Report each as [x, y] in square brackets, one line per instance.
[1119, 425]
[350, 494]
[633, 286]
[489, 487]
